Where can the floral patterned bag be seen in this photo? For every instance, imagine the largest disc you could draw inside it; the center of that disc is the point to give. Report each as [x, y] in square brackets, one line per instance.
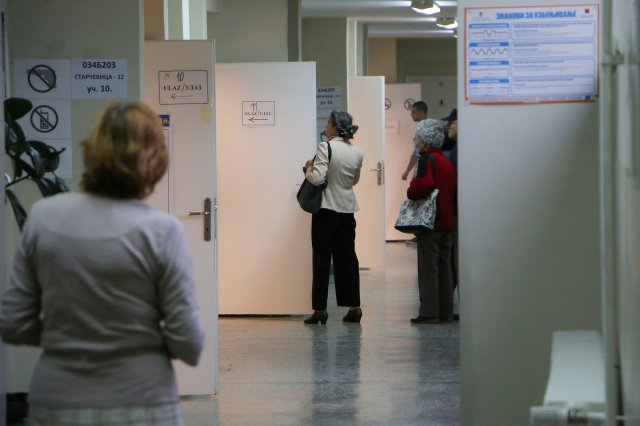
[417, 216]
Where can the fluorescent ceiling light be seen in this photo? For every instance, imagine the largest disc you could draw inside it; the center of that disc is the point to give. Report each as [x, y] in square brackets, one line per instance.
[448, 23]
[427, 7]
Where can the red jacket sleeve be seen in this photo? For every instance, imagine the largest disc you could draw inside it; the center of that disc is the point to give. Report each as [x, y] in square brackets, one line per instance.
[421, 186]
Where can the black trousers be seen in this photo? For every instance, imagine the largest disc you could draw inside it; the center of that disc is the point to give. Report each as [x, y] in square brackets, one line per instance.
[333, 234]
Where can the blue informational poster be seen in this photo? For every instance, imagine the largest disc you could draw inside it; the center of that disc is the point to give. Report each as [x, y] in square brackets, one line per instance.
[531, 54]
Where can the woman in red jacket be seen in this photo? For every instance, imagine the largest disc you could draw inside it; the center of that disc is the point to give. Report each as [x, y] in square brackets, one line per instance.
[435, 276]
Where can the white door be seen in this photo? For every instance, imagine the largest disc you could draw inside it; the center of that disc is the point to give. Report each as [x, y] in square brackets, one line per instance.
[266, 115]
[366, 105]
[179, 83]
[398, 146]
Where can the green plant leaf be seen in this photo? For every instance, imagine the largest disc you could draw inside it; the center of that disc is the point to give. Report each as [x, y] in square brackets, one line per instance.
[49, 187]
[49, 155]
[16, 108]
[18, 210]
[61, 184]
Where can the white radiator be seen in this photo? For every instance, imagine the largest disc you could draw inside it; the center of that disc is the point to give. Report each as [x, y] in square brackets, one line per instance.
[576, 392]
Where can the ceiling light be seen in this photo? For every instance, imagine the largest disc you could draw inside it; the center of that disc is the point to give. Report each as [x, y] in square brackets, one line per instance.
[448, 23]
[425, 6]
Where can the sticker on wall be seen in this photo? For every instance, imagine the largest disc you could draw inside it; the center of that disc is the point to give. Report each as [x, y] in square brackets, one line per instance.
[98, 78]
[387, 104]
[408, 103]
[183, 87]
[48, 119]
[328, 97]
[42, 78]
[258, 113]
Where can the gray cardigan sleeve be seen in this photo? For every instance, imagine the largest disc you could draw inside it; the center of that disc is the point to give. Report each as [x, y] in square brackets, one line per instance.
[182, 331]
[20, 322]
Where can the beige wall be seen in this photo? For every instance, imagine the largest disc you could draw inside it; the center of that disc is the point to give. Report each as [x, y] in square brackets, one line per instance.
[250, 31]
[324, 41]
[69, 29]
[426, 57]
[154, 19]
[382, 59]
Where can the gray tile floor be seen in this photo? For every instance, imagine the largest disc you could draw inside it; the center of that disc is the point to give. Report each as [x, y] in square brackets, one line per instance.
[384, 371]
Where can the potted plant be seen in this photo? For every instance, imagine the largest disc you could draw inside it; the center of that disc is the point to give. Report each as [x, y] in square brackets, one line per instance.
[31, 159]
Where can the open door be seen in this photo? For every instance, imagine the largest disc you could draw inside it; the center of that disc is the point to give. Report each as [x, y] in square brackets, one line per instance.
[179, 85]
[399, 131]
[366, 105]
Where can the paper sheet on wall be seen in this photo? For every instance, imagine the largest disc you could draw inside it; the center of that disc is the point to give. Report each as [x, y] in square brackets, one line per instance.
[531, 54]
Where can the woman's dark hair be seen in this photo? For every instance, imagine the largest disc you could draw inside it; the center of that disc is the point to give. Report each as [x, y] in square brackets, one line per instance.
[343, 123]
[125, 154]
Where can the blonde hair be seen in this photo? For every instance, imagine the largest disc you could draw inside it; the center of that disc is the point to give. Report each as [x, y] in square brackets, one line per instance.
[125, 154]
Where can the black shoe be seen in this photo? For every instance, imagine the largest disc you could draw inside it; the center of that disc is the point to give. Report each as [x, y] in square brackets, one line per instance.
[456, 317]
[353, 315]
[317, 317]
[425, 320]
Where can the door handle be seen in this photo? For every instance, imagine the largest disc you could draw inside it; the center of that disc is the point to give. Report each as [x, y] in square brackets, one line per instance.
[207, 218]
[380, 171]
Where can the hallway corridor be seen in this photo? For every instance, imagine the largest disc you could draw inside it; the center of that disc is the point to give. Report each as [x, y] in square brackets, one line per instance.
[384, 371]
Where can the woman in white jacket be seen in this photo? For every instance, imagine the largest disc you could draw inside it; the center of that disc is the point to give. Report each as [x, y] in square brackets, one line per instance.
[333, 228]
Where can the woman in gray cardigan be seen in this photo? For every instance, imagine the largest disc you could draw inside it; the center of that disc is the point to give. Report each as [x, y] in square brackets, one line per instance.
[333, 229]
[103, 284]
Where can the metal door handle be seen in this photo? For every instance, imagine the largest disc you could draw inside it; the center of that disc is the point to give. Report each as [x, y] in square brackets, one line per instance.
[380, 170]
[207, 218]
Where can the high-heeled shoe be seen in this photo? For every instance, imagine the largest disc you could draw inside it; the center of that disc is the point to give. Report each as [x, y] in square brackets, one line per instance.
[353, 315]
[317, 317]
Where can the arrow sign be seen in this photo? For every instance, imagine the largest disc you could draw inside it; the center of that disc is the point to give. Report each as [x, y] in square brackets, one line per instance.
[173, 96]
[258, 113]
[183, 87]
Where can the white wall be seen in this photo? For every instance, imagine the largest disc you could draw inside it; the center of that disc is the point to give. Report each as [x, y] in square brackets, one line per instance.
[529, 260]
[626, 168]
[68, 29]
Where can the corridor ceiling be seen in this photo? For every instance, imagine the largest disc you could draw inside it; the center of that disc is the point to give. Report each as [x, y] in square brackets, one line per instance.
[385, 18]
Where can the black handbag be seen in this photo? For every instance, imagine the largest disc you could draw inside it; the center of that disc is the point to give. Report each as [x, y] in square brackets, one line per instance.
[310, 196]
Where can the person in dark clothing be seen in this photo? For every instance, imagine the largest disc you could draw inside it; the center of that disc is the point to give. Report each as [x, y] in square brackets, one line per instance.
[450, 145]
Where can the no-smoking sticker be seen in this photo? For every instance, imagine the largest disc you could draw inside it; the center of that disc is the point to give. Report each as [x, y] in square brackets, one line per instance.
[42, 78]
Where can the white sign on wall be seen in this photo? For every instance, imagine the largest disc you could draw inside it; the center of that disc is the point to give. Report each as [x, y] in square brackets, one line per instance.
[258, 113]
[42, 78]
[48, 119]
[328, 97]
[183, 87]
[98, 78]
[531, 54]
[391, 126]
[327, 100]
